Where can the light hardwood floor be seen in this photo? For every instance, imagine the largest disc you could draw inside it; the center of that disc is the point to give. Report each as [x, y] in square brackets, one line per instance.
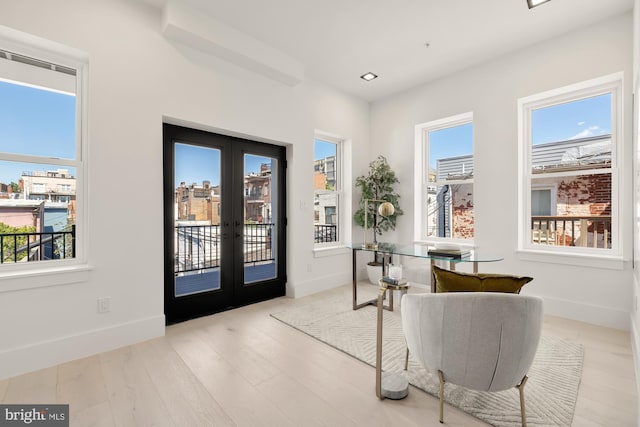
[244, 368]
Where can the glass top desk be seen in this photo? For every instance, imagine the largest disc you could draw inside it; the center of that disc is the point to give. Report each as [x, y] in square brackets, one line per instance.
[418, 250]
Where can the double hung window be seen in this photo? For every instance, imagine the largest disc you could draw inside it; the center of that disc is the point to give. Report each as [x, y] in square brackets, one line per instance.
[444, 180]
[569, 145]
[41, 157]
[327, 189]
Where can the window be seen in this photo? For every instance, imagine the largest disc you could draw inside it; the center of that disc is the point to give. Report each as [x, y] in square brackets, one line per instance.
[569, 140]
[38, 187]
[327, 190]
[330, 214]
[41, 163]
[444, 180]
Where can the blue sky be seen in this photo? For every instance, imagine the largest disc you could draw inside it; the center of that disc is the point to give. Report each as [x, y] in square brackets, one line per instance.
[450, 142]
[21, 106]
[197, 164]
[580, 119]
[587, 117]
[323, 149]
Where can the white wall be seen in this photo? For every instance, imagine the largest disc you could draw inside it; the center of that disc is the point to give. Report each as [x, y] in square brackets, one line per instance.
[635, 314]
[136, 78]
[490, 91]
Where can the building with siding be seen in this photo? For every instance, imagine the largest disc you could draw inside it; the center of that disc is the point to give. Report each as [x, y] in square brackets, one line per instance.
[571, 196]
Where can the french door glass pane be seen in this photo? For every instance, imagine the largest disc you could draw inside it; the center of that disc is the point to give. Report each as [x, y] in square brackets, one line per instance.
[260, 218]
[197, 219]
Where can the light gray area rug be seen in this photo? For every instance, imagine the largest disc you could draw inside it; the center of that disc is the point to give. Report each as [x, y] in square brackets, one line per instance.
[550, 392]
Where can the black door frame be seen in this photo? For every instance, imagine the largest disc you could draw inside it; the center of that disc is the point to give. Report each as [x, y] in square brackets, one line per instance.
[233, 292]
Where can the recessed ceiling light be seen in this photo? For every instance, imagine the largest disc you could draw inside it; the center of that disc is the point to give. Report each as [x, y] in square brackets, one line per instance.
[368, 77]
[534, 3]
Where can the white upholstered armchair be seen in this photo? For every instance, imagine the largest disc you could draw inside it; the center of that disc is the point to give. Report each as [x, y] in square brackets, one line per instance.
[478, 340]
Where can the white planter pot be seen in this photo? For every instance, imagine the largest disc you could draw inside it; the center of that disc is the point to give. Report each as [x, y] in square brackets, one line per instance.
[374, 272]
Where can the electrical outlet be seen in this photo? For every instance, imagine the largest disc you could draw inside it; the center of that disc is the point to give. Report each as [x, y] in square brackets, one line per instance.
[104, 305]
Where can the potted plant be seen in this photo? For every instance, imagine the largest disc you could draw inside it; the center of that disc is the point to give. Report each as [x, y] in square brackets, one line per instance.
[377, 184]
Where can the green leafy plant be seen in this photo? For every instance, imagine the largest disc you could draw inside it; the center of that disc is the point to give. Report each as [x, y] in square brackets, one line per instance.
[10, 245]
[378, 184]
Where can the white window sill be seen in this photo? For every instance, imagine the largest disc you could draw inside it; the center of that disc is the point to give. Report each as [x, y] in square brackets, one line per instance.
[578, 259]
[39, 277]
[330, 251]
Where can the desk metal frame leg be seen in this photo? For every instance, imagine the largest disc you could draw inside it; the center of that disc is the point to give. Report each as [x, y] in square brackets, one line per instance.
[354, 269]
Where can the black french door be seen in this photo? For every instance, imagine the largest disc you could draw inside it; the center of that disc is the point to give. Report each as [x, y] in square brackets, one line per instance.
[224, 222]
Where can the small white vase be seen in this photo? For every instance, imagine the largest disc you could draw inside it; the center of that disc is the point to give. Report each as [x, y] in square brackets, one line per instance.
[374, 272]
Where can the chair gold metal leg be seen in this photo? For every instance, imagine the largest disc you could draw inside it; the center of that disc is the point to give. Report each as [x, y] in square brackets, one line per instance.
[441, 376]
[406, 360]
[520, 388]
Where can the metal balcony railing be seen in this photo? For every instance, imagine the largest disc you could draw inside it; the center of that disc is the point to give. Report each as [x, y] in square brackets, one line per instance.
[198, 246]
[325, 233]
[257, 242]
[37, 246]
[582, 231]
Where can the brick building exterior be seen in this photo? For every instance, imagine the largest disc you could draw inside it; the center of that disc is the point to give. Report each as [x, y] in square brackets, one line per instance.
[462, 210]
[198, 203]
[572, 202]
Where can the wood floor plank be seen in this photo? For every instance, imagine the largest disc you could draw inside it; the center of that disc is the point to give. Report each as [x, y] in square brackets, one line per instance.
[133, 397]
[4, 384]
[34, 387]
[603, 413]
[244, 404]
[99, 415]
[185, 397]
[243, 367]
[81, 382]
[307, 409]
[238, 349]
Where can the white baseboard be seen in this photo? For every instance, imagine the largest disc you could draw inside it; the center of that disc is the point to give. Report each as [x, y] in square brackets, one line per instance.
[316, 285]
[589, 313]
[44, 354]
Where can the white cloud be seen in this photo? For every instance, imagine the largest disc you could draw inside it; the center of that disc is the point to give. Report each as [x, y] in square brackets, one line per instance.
[581, 123]
[590, 131]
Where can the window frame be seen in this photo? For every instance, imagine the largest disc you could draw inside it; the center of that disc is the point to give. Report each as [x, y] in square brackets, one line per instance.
[19, 276]
[421, 177]
[609, 258]
[343, 208]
